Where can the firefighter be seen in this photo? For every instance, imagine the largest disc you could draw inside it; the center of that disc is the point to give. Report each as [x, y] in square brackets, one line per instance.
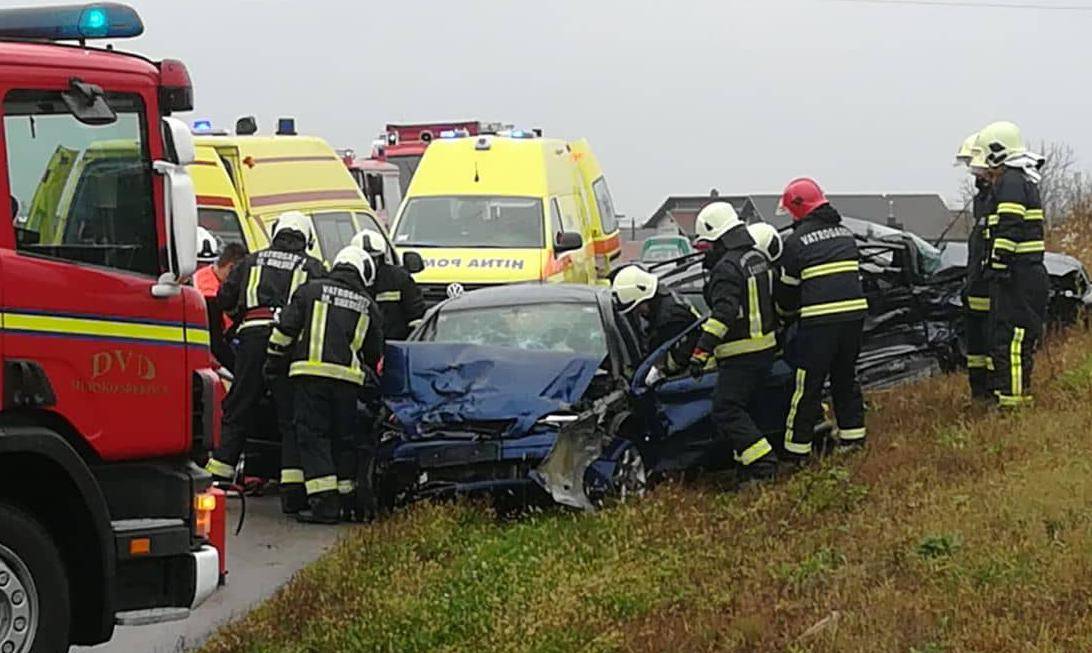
[820, 288]
[220, 261]
[330, 330]
[767, 240]
[665, 313]
[399, 298]
[976, 290]
[739, 333]
[258, 287]
[1018, 282]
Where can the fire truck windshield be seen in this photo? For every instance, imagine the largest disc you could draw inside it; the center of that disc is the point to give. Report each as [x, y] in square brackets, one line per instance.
[84, 191]
[407, 165]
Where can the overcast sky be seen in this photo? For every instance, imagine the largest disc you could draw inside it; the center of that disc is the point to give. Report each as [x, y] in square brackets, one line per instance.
[676, 97]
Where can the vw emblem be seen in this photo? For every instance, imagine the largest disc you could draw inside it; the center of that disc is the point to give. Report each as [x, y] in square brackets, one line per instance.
[454, 290]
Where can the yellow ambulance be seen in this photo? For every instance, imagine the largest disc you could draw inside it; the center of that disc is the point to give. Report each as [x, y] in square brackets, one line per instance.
[496, 209]
[244, 182]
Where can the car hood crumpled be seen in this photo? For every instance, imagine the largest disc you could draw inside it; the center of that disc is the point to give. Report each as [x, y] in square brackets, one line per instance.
[429, 385]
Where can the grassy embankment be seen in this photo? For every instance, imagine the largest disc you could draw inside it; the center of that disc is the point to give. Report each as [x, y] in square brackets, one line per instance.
[958, 530]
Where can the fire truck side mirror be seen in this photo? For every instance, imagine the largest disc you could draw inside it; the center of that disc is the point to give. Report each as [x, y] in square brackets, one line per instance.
[181, 209]
[178, 142]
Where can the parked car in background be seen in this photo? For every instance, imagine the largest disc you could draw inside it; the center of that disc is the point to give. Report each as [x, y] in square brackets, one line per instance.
[665, 248]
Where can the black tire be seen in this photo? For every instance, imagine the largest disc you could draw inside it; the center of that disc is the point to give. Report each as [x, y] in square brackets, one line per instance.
[29, 557]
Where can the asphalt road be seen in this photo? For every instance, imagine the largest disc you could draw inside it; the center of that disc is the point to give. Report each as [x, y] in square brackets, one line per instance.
[262, 558]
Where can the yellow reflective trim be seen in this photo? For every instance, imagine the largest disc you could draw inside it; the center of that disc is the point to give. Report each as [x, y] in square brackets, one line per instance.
[1005, 244]
[978, 303]
[196, 336]
[346, 487]
[755, 309]
[80, 326]
[389, 296]
[747, 346]
[299, 277]
[715, 327]
[1016, 366]
[754, 452]
[783, 312]
[321, 484]
[837, 267]
[358, 338]
[1030, 247]
[979, 361]
[1012, 207]
[279, 339]
[851, 434]
[790, 446]
[1034, 215]
[252, 286]
[832, 308]
[220, 469]
[1007, 401]
[789, 280]
[326, 370]
[993, 220]
[318, 331]
[290, 476]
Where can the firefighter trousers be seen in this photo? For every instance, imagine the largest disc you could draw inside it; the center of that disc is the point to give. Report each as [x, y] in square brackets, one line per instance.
[976, 338]
[825, 351]
[325, 419]
[738, 378]
[240, 406]
[1018, 311]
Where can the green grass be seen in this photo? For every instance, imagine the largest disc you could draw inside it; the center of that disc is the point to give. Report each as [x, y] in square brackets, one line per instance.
[959, 529]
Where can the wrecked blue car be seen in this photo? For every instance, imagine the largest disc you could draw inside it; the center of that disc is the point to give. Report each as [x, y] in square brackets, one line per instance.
[536, 393]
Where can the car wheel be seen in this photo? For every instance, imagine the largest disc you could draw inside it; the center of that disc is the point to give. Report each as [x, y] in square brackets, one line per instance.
[630, 479]
[34, 602]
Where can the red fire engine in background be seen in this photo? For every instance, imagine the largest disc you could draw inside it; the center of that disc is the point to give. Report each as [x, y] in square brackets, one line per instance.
[385, 174]
[108, 392]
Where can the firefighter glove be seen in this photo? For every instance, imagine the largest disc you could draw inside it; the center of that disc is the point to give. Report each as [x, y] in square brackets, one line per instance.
[698, 360]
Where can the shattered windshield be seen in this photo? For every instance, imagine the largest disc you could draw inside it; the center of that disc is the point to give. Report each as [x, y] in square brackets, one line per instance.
[563, 327]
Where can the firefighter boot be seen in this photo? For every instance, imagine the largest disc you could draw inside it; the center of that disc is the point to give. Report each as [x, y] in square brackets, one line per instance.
[325, 508]
[760, 471]
[293, 498]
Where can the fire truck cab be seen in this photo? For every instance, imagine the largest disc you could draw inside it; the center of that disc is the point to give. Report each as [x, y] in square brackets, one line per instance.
[108, 392]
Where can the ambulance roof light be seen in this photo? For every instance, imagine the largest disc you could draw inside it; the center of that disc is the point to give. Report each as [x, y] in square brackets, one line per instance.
[202, 126]
[99, 20]
[518, 133]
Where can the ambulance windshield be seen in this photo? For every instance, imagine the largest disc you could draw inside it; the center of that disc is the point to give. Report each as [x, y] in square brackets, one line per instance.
[500, 222]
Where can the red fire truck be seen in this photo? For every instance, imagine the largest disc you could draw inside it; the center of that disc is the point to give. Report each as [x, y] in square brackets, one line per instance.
[404, 145]
[108, 396]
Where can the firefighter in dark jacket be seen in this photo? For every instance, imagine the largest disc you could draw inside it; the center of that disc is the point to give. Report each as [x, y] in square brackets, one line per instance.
[820, 288]
[399, 298]
[976, 290]
[323, 340]
[738, 334]
[258, 287]
[1018, 281]
[664, 313]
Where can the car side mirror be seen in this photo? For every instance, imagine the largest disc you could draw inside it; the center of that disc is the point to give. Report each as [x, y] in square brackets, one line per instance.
[412, 262]
[178, 142]
[567, 241]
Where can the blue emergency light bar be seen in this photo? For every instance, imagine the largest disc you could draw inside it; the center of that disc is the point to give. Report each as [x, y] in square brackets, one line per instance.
[100, 20]
[202, 126]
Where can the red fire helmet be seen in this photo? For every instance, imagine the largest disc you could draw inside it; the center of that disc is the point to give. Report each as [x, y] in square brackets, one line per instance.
[800, 197]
